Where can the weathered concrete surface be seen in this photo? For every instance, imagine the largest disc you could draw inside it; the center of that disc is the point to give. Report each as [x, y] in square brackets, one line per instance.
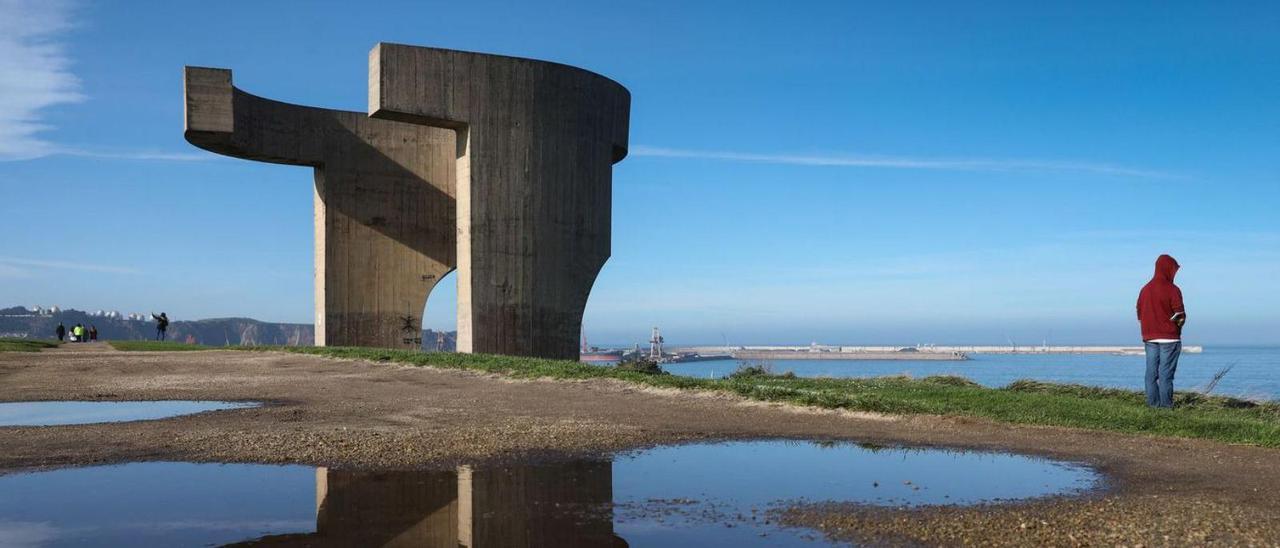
[526, 147]
[384, 202]
[537, 142]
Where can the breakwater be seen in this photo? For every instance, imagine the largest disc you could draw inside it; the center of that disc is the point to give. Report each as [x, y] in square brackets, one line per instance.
[856, 355]
[1189, 349]
[925, 352]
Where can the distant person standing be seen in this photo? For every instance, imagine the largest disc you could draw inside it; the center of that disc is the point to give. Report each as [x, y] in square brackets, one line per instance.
[60, 331]
[77, 333]
[1162, 315]
[93, 333]
[162, 325]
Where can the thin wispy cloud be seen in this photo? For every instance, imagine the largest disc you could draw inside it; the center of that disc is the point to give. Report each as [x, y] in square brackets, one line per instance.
[1222, 238]
[135, 155]
[35, 73]
[10, 271]
[16, 263]
[903, 162]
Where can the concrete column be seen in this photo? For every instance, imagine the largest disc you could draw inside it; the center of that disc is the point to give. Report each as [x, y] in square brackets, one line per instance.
[536, 144]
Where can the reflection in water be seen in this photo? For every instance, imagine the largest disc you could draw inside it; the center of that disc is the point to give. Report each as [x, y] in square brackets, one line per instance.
[554, 505]
[59, 413]
[154, 504]
[686, 495]
[387, 508]
[562, 504]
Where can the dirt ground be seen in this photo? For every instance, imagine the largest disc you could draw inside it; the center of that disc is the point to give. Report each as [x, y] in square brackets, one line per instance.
[342, 413]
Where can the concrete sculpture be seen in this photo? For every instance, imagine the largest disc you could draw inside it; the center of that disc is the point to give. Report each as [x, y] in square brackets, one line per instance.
[496, 166]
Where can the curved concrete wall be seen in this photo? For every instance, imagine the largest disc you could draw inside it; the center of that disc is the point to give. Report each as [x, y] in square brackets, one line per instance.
[537, 142]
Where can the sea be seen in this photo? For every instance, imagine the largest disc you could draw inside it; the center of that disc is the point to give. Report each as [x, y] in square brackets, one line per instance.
[1254, 370]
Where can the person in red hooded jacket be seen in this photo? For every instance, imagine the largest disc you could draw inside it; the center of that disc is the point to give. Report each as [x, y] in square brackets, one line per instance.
[1162, 315]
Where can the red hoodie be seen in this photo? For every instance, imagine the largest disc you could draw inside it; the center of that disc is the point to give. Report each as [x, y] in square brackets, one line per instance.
[1159, 301]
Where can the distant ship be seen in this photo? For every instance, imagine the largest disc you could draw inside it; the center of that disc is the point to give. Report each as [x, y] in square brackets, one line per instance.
[591, 354]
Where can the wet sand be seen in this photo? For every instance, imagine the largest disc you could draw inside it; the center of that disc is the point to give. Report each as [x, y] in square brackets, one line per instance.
[342, 413]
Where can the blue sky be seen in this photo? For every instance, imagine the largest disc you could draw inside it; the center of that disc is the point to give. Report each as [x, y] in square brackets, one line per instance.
[849, 172]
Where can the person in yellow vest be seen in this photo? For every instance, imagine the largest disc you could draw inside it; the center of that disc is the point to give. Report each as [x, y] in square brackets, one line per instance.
[78, 332]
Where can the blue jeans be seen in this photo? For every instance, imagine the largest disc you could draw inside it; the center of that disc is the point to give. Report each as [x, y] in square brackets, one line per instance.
[1162, 363]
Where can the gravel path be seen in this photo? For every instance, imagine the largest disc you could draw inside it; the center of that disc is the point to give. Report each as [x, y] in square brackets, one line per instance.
[383, 416]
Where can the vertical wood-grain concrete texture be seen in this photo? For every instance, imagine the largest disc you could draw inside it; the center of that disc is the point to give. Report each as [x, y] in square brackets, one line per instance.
[384, 202]
[536, 145]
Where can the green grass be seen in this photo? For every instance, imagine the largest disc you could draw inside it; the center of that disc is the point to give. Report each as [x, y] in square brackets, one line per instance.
[1023, 402]
[158, 346]
[26, 345]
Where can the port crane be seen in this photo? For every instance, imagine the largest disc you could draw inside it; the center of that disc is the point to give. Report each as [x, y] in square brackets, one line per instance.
[655, 345]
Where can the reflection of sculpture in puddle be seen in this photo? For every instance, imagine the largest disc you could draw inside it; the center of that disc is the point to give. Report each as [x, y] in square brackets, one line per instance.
[565, 504]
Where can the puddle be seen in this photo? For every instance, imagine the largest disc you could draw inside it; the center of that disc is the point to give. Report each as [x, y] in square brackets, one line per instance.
[58, 413]
[691, 495]
[155, 504]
